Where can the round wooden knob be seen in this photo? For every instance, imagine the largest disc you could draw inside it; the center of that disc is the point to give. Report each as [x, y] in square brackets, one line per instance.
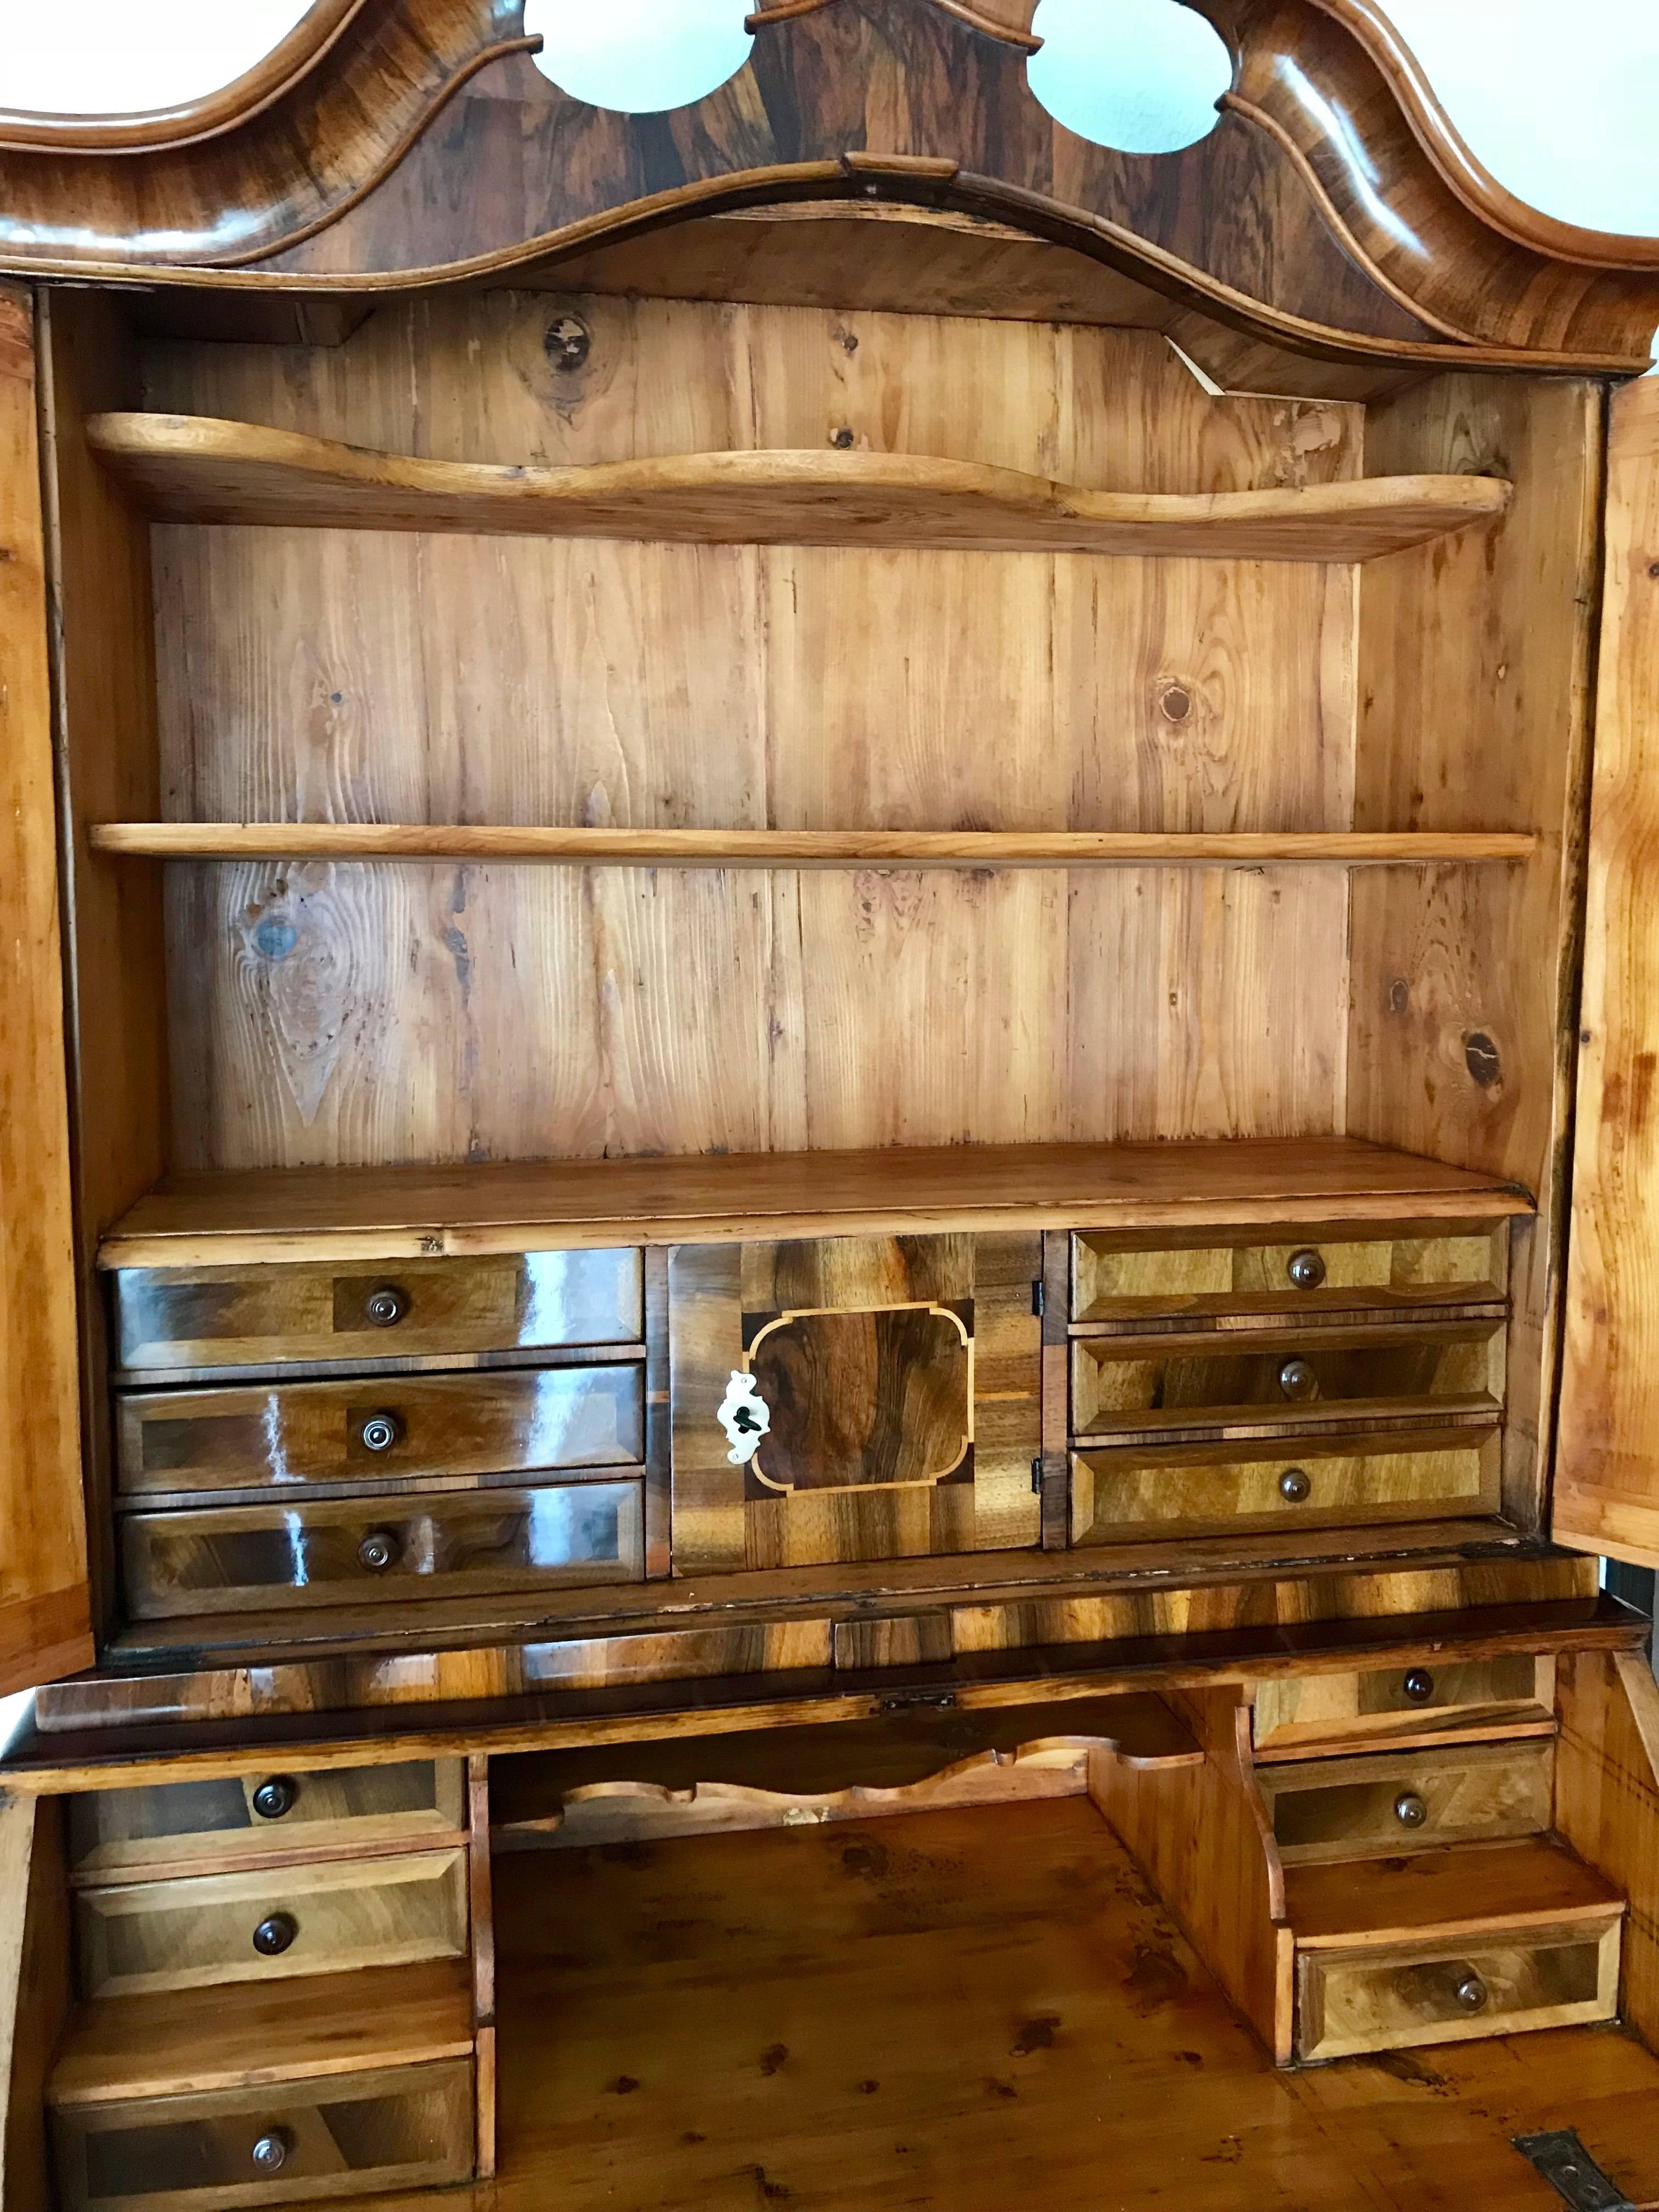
[1306, 1269]
[275, 1934]
[379, 1432]
[275, 1796]
[1409, 1809]
[386, 1307]
[378, 1551]
[1294, 1485]
[1297, 1379]
[270, 2150]
[1472, 1993]
[1418, 1686]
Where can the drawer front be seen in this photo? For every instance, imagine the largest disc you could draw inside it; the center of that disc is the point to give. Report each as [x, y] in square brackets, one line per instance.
[1345, 1808]
[1122, 1495]
[258, 1316]
[266, 1926]
[386, 1550]
[1392, 1997]
[1119, 1387]
[263, 1816]
[1407, 1702]
[1139, 1278]
[285, 1434]
[345, 2136]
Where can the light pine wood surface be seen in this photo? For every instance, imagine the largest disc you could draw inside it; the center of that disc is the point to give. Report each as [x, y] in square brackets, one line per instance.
[201, 469]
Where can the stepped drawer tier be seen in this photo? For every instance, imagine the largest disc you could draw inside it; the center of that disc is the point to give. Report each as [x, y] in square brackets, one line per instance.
[1410, 1703]
[1397, 1803]
[340, 2135]
[384, 1550]
[1124, 1494]
[1388, 1997]
[256, 1316]
[288, 1435]
[260, 1818]
[1285, 1380]
[1213, 1276]
[265, 1925]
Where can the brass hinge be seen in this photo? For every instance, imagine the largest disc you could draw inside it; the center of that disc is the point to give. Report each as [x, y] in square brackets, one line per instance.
[1573, 2172]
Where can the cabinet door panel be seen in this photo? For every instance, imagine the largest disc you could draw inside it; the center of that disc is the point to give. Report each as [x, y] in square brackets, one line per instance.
[1607, 1478]
[854, 1398]
[45, 1615]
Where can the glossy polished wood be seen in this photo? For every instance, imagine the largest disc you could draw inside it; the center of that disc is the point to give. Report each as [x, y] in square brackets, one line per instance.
[379, 1551]
[1410, 1704]
[1329, 153]
[1280, 1380]
[227, 1317]
[1139, 1279]
[291, 1437]
[1392, 1805]
[174, 1827]
[390, 1213]
[1128, 1494]
[902, 1379]
[192, 469]
[326, 1918]
[407, 2128]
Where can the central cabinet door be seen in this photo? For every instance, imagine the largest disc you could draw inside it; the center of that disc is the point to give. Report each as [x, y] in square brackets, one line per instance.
[854, 1398]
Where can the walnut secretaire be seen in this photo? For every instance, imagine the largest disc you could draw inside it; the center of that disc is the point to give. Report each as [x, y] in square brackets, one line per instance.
[828, 1141]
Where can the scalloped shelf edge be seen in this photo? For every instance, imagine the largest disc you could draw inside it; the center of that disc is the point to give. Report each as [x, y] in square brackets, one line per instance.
[200, 469]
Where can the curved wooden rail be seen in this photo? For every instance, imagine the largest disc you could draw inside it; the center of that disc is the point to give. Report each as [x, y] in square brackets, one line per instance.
[200, 469]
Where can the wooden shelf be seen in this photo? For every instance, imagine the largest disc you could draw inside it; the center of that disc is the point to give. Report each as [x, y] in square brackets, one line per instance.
[188, 468]
[372, 1213]
[804, 849]
[1461, 1889]
[172, 2042]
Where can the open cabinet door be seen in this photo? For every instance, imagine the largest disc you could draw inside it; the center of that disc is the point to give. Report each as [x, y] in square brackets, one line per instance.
[1606, 1482]
[45, 1615]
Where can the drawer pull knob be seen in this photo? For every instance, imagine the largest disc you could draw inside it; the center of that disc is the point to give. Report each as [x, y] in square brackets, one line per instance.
[1297, 1379]
[379, 1432]
[1472, 1993]
[275, 1796]
[1410, 1810]
[378, 1551]
[386, 1307]
[1294, 1485]
[1418, 1686]
[272, 2149]
[1306, 1270]
[275, 1934]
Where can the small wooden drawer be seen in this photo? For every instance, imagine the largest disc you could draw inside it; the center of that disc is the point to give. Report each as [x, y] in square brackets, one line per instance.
[1212, 1275]
[345, 2135]
[1405, 1802]
[1389, 1997]
[326, 1919]
[285, 1434]
[1405, 1705]
[381, 1551]
[1122, 1495]
[1281, 1379]
[261, 1818]
[257, 1316]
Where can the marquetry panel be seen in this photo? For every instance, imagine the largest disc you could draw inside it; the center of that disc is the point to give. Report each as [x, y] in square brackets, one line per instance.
[847, 1398]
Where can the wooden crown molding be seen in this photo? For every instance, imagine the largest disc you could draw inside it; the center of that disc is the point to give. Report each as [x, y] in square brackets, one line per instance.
[1334, 214]
[190, 121]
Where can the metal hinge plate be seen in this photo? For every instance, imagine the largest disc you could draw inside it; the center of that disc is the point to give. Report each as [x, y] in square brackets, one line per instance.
[1573, 2172]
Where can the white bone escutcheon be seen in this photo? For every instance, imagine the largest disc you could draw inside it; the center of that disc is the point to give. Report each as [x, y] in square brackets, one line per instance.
[745, 1417]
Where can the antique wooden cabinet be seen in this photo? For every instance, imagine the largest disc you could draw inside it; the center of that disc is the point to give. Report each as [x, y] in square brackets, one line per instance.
[827, 1140]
